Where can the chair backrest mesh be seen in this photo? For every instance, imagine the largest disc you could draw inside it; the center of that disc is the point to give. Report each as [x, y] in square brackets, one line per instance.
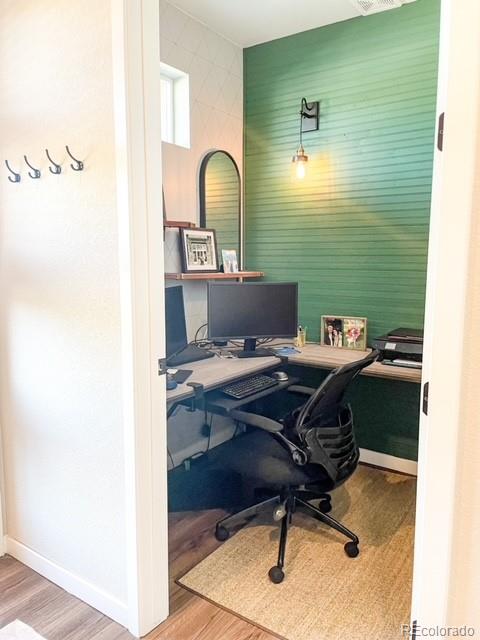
[325, 422]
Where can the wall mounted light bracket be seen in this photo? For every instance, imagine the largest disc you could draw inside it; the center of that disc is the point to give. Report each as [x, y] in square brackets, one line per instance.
[309, 121]
[310, 115]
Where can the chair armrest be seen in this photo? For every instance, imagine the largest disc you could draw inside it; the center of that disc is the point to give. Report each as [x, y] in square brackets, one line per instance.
[254, 420]
[305, 391]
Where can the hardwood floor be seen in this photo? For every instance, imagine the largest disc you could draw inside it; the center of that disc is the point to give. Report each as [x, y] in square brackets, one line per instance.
[57, 615]
[193, 618]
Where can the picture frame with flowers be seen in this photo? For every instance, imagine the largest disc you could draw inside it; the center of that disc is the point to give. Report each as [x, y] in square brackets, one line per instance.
[344, 332]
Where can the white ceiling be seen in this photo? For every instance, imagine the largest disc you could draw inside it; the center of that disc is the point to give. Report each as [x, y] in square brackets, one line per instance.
[249, 22]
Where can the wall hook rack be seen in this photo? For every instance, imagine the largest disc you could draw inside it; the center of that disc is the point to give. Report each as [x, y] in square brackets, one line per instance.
[36, 172]
[79, 165]
[16, 176]
[56, 167]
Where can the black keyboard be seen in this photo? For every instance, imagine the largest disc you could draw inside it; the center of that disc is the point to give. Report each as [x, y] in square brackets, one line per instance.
[249, 386]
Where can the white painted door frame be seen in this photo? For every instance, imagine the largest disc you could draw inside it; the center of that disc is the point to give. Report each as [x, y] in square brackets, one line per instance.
[136, 59]
[451, 219]
[2, 500]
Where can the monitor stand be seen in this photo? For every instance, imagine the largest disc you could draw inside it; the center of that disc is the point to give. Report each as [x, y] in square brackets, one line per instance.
[250, 350]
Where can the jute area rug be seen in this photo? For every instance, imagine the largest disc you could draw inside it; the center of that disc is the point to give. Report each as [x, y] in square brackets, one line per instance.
[325, 594]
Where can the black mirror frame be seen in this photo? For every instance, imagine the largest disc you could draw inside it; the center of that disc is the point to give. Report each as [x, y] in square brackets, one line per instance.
[201, 189]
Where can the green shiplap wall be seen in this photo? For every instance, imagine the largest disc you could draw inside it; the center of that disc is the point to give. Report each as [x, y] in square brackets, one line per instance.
[354, 232]
[222, 191]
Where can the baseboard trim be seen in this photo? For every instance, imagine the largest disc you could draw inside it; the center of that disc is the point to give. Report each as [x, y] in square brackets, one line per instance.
[388, 462]
[3, 545]
[82, 589]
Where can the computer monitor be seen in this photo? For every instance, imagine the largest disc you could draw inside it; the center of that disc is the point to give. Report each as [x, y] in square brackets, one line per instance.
[176, 330]
[251, 311]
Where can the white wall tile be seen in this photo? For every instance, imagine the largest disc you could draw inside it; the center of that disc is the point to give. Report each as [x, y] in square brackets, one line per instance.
[179, 57]
[172, 23]
[191, 36]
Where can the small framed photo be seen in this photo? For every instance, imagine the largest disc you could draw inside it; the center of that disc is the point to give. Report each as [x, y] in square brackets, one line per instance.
[199, 250]
[344, 332]
[332, 331]
[355, 333]
[229, 260]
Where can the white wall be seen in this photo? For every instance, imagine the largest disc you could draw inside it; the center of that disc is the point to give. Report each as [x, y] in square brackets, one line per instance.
[60, 393]
[215, 68]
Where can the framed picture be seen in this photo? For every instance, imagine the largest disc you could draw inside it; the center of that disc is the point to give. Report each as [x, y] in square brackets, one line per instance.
[229, 260]
[199, 250]
[344, 332]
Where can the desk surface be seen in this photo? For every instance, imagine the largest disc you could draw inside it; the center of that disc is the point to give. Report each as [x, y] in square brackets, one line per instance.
[316, 355]
[215, 372]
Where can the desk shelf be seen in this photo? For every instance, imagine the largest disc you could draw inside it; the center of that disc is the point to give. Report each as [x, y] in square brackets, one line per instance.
[220, 404]
[214, 276]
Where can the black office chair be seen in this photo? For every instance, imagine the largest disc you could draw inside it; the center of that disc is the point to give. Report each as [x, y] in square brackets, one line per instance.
[303, 457]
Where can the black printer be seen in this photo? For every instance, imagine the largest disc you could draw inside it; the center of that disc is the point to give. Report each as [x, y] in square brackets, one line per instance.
[401, 347]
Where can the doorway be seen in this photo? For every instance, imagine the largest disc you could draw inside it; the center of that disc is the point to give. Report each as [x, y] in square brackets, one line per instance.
[433, 448]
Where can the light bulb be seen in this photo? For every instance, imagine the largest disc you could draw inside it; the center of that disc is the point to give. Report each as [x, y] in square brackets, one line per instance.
[300, 160]
[301, 170]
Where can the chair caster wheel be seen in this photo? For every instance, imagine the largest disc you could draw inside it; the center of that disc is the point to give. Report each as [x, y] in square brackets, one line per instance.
[325, 506]
[351, 549]
[279, 512]
[276, 575]
[221, 534]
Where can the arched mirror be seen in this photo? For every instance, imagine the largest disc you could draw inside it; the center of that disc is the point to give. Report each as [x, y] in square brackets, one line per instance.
[220, 200]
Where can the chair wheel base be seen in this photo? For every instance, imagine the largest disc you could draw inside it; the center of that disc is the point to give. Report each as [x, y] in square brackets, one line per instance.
[221, 534]
[276, 574]
[325, 506]
[351, 549]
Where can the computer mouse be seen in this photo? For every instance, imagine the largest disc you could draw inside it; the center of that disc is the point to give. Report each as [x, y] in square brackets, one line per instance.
[279, 375]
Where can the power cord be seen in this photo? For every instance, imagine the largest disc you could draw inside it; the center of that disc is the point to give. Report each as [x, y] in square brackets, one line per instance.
[210, 429]
[196, 340]
[186, 461]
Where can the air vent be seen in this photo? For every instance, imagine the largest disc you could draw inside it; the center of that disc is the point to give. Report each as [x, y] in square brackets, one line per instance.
[367, 7]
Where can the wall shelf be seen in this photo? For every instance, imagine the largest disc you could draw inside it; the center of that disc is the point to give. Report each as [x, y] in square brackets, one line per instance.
[214, 276]
[178, 224]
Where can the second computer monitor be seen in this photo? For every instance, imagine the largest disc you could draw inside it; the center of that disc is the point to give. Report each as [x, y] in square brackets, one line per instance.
[248, 311]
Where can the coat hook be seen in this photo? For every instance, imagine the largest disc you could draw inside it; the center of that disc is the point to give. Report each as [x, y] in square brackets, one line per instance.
[79, 165]
[16, 176]
[36, 172]
[56, 167]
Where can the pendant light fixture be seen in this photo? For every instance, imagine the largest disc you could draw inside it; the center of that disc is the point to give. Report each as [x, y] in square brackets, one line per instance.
[309, 117]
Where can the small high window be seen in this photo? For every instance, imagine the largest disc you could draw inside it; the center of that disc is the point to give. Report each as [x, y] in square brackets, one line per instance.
[175, 106]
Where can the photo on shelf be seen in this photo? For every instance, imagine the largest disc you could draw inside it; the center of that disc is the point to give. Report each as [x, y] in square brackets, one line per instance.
[199, 250]
[229, 260]
[344, 332]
